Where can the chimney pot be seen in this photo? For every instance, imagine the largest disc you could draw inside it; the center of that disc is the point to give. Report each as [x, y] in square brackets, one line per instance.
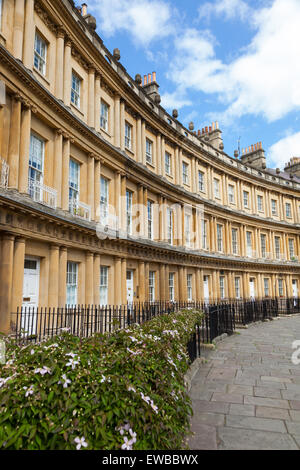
[210, 128]
[149, 78]
[213, 126]
[206, 130]
[145, 80]
[154, 76]
[217, 125]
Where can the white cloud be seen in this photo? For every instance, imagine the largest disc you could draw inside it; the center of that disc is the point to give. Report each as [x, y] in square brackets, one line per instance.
[228, 9]
[174, 100]
[145, 20]
[281, 152]
[264, 80]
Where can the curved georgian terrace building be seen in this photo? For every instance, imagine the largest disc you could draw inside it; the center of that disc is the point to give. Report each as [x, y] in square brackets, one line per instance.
[105, 198]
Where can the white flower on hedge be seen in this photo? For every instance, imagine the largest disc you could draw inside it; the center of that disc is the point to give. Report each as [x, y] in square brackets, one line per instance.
[66, 381]
[71, 355]
[43, 371]
[134, 340]
[133, 353]
[29, 391]
[146, 399]
[133, 436]
[80, 442]
[3, 381]
[131, 389]
[103, 379]
[32, 352]
[127, 444]
[154, 407]
[72, 363]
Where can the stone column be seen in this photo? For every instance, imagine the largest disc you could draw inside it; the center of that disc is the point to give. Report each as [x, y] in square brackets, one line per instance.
[167, 293]
[181, 284]
[198, 285]
[65, 173]
[118, 199]
[91, 100]
[123, 203]
[139, 140]
[18, 30]
[97, 189]
[91, 185]
[147, 269]
[180, 181]
[57, 169]
[67, 72]
[161, 218]
[182, 226]
[28, 34]
[18, 274]
[59, 65]
[6, 277]
[24, 148]
[118, 281]
[53, 277]
[14, 142]
[143, 142]
[122, 124]
[89, 278]
[176, 166]
[141, 281]
[117, 121]
[160, 156]
[97, 101]
[62, 290]
[124, 281]
[141, 210]
[162, 281]
[97, 264]
[146, 212]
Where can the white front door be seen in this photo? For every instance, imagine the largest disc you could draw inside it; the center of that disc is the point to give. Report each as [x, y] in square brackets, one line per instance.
[130, 287]
[30, 294]
[206, 289]
[295, 288]
[252, 288]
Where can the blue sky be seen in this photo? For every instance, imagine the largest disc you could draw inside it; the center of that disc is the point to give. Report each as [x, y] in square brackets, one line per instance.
[234, 61]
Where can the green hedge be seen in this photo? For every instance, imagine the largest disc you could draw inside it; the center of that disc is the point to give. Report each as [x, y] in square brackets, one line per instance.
[119, 391]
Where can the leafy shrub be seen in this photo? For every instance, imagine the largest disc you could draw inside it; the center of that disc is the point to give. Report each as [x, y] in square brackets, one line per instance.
[119, 391]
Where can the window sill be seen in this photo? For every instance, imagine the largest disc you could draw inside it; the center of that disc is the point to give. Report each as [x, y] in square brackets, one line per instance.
[130, 151]
[150, 164]
[76, 109]
[105, 132]
[43, 77]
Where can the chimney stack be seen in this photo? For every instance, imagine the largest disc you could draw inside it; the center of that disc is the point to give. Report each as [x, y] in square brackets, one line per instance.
[293, 167]
[254, 156]
[151, 87]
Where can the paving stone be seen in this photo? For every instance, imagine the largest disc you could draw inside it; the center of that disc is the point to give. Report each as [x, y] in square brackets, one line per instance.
[295, 415]
[275, 385]
[211, 419]
[297, 439]
[295, 404]
[209, 406]
[275, 379]
[227, 398]
[272, 402]
[290, 394]
[250, 422]
[293, 427]
[205, 438]
[242, 410]
[272, 413]
[248, 439]
[222, 373]
[240, 389]
[266, 392]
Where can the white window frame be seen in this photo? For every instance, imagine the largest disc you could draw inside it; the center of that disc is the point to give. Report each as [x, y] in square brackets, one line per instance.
[76, 92]
[168, 165]
[222, 287]
[74, 187]
[260, 201]
[104, 115]
[246, 199]
[129, 199]
[189, 283]
[266, 287]
[274, 206]
[277, 247]
[288, 210]
[204, 234]
[231, 194]
[220, 238]
[280, 287]
[185, 173]
[237, 287]
[104, 200]
[36, 162]
[249, 245]
[151, 286]
[201, 181]
[72, 283]
[128, 135]
[150, 219]
[104, 271]
[291, 244]
[170, 225]
[217, 188]
[263, 245]
[149, 151]
[171, 287]
[40, 51]
[234, 237]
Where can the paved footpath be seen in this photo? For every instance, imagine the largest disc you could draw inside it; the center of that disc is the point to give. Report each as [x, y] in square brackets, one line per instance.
[247, 393]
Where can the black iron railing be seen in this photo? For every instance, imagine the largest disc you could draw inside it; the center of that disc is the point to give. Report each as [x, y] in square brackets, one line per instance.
[34, 325]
